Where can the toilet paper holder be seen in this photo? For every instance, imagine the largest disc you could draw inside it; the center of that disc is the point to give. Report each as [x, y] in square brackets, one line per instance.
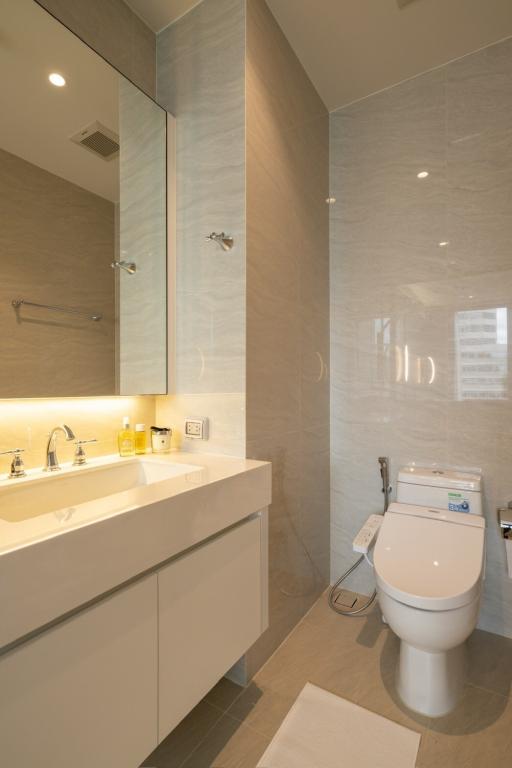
[505, 519]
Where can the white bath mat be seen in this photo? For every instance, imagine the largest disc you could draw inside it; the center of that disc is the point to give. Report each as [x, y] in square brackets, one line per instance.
[322, 730]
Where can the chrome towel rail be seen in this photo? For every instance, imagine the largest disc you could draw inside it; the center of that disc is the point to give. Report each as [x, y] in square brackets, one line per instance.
[17, 303]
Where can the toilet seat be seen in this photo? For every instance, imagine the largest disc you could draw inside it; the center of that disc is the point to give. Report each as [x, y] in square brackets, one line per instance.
[430, 559]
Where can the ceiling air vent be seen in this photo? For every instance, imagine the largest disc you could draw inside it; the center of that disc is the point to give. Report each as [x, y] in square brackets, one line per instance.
[98, 139]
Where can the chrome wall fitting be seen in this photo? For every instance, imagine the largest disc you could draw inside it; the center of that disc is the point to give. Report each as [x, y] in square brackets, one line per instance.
[226, 242]
[129, 266]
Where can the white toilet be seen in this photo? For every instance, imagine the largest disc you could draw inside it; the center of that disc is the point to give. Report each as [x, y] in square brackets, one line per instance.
[429, 564]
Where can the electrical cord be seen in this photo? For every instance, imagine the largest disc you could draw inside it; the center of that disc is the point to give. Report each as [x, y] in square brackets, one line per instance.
[386, 488]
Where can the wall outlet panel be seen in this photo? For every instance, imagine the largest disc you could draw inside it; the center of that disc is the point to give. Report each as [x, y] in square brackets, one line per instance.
[196, 429]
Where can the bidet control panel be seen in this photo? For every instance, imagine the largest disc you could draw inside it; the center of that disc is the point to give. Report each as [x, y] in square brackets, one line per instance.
[367, 535]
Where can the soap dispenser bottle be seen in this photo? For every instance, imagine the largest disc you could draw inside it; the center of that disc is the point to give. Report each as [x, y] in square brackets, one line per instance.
[126, 439]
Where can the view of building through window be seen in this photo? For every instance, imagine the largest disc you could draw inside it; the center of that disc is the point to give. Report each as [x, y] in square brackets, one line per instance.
[481, 342]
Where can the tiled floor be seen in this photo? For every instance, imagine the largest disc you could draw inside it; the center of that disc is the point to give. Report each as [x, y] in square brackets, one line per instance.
[354, 658]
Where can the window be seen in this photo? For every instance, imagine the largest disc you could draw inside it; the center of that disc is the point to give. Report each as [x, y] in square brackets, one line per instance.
[481, 343]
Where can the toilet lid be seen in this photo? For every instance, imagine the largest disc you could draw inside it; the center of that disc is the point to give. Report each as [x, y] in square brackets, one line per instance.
[430, 558]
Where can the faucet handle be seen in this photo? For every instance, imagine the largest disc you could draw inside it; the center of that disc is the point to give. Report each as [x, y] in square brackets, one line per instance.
[80, 457]
[17, 466]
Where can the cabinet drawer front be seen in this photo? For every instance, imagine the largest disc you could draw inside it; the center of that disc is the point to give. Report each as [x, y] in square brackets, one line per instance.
[83, 694]
[210, 613]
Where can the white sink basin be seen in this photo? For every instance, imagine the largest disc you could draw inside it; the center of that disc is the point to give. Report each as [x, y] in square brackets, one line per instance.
[40, 493]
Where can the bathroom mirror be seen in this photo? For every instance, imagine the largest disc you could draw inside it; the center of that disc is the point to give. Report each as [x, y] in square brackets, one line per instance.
[83, 218]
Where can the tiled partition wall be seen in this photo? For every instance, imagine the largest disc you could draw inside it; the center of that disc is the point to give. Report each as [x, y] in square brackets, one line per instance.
[421, 288]
[251, 128]
[287, 317]
[201, 81]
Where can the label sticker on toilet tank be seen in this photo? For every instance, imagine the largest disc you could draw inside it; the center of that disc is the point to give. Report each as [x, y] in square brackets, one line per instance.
[457, 502]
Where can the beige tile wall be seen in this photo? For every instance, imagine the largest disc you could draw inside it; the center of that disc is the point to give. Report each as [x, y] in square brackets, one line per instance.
[57, 245]
[287, 317]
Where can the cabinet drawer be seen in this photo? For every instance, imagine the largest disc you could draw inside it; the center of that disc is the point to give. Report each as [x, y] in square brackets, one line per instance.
[210, 613]
[84, 693]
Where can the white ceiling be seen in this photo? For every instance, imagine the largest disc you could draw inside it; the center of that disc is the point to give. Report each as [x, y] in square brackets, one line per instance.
[351, 48]
[356, 47]
[37, 118]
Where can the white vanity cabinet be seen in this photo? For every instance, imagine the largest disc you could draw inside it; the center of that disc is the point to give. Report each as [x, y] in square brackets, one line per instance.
[84, 693]
[102, 688]
[211, 610]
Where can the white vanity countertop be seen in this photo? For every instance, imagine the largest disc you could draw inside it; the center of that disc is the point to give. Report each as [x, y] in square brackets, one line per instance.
[205, 469]
[55, 562]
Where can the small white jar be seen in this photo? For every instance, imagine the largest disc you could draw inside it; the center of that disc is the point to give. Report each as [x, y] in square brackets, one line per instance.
[161, 439]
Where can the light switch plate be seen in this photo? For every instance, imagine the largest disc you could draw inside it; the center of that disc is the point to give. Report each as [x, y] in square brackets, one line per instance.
[196, 429]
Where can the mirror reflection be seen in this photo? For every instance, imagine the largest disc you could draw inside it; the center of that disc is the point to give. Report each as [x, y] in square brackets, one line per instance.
[83, 219]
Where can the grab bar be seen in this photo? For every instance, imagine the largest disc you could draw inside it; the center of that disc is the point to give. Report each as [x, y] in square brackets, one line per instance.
[17, 303]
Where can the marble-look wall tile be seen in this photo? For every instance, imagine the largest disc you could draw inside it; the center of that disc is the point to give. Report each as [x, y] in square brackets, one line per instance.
[115, 32]
[143, 241]
[201, 80]
[287, 318]
[57, 243]
[226, 421]
[396, 292]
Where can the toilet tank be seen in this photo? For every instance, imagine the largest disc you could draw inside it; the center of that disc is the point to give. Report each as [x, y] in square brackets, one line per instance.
[441, 488]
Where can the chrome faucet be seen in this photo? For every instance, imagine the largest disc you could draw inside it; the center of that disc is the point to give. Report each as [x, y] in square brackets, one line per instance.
[17, 468]
[52, 462]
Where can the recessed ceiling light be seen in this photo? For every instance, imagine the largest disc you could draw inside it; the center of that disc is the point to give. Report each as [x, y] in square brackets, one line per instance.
[422, 174]
[56, 79]
[444, 243]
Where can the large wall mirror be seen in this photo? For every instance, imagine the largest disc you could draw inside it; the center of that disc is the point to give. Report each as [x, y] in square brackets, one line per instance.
[82, 218]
